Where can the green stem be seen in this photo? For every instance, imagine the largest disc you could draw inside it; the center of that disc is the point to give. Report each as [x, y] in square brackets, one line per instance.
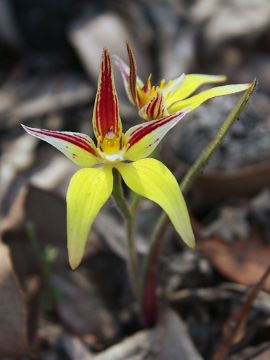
[128, 215]
[135, 202]
[193, 171]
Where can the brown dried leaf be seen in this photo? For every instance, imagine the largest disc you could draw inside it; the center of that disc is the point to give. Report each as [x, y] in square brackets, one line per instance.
[243, 261]
[14, 339]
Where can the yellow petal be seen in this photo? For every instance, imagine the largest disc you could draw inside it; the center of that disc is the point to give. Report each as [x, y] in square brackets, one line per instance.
[198, 99]
[151, 179]
[88, 191]
[192, 82]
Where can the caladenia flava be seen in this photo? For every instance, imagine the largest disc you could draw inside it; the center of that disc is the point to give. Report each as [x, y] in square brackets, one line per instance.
[155, 102]
[115, 153]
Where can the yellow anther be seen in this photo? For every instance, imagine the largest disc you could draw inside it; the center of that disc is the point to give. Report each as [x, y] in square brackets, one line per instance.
[149, 81]
[144, 98]
[146, 93]
[162, 84]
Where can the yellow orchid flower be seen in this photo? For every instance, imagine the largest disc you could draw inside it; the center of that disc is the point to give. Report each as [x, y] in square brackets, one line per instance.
[155, 102]
[90, 187]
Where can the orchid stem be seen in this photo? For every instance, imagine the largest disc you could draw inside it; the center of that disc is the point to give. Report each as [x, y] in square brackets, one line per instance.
[193, 171]
[128, 215]
[135, 203]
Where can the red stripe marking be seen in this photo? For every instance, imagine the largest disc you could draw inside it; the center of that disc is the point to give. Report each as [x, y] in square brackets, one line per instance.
[140, 132]
[132, 73]
[106, 101]
[73, 139]
[155, 108]
[151, 107]
[82, 139]
[159, 106]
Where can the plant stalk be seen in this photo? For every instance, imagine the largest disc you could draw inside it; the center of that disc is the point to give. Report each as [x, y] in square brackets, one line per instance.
[149, 270]
[124, 208]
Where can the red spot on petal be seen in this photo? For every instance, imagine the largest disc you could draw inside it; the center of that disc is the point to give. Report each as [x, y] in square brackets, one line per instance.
[132, 74]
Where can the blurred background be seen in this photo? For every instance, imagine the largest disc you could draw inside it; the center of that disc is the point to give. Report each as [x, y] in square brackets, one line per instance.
[49, 62]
